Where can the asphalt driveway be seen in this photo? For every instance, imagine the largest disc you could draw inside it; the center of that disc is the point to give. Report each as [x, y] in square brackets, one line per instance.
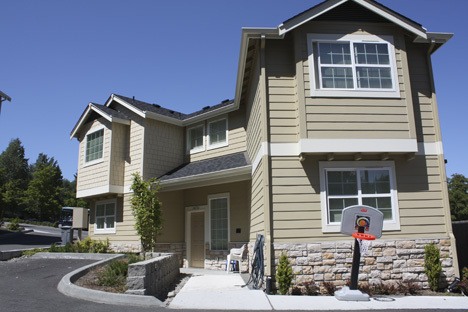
[28, 284]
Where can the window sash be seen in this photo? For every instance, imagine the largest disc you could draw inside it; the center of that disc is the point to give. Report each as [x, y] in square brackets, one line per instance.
[219, 223]
[368, 66]
[105, 216]
[196, 138]
[94, 145]
[217, 132]
[383, 200]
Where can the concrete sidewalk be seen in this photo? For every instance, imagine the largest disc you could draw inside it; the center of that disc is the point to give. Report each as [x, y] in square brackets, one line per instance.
[207, 290]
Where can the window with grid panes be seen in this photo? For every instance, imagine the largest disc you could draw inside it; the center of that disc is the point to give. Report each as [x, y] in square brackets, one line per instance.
[105, 216]
[94, 145]
[219, 223]
[217, 133]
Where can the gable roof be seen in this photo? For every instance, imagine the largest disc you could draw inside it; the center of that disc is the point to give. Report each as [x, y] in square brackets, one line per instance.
[147, 110]
[321, 10]
[94, 111]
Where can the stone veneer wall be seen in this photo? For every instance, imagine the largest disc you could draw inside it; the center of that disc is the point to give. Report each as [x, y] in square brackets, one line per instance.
[387, 261]
[153, 276]
[173, 248]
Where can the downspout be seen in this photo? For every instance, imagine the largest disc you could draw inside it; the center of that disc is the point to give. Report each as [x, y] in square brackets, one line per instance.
[269, 260]
[441, 160]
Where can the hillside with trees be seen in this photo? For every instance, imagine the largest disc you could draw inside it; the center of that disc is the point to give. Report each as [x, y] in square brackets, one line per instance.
[36, 191]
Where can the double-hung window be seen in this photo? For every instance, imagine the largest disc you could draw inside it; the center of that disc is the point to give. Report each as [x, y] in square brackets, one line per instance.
[219, 222]
[94, 146]
[352, 65]
[105, 217]
[196, 139]
[345, 184]
[217, 133]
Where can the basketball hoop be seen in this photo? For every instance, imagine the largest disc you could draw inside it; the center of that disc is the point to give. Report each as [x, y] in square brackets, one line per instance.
[364, 241]
[363, 236]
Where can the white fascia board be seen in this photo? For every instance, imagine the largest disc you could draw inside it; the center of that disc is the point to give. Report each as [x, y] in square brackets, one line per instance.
[109, 117]
[125, 104]
[418, 31]
[216, 112]
[102, 190]
[234, 174]
[80, 122]
[162, 118]
[430, 148]
[247, 34]
[358, 146]
[310, 15]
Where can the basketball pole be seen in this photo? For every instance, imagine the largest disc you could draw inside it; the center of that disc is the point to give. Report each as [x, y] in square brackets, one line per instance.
[356, 262]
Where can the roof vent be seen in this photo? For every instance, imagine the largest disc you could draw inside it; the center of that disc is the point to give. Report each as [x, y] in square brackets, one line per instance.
[206, 107]
[156, 105]
[225, 101]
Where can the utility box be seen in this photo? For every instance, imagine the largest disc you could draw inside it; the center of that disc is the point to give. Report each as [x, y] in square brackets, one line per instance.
[80, 218]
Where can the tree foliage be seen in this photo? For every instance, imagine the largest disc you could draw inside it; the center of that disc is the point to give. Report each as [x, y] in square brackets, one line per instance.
[14, 178]
[458, 196]
[42, 196]
[33, 191]
[146, 209]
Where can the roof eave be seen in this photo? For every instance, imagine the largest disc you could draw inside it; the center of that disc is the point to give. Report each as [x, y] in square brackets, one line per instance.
[438, 39]
[233, 175]
[247, 34]
[324, 7]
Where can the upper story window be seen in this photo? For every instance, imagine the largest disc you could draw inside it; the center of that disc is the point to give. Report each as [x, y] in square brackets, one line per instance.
[217, 133]
[345, 184]
[196, 139]
[94, 146]
[352, 66]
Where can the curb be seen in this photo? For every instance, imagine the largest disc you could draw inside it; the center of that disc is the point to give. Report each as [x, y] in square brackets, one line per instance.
[67, 287]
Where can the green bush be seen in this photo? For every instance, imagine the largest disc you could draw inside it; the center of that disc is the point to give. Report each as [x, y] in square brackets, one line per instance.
[114, 275]
[85, 246]
[14, 225]
[432, 265]
[284, 275]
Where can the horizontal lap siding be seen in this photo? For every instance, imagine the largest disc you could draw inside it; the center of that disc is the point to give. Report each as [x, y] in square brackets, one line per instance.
[257, 219]
[356, 118]
[96, 175]
[281, 89]
[422, 92]
[134, 162]
[297, 204]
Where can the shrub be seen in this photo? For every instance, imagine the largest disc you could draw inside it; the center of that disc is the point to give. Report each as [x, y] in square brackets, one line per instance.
[284, 275]
[329, 287]
[14, 225]
[432, 265]
[114, 275]
[85, 246]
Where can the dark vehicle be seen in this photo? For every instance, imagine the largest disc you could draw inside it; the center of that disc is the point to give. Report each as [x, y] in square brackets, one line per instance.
[66, 217]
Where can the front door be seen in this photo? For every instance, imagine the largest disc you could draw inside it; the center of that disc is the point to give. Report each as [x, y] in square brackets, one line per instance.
[197, 239]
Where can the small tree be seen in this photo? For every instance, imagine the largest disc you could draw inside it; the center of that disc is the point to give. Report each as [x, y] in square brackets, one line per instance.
[146, 210]
[284, 275]
[432, 265]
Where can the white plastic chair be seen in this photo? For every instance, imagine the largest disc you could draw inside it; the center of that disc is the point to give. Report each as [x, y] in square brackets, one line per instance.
[235, 254]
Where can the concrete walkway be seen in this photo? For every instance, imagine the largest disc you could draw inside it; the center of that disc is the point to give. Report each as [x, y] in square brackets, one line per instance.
[207, 290]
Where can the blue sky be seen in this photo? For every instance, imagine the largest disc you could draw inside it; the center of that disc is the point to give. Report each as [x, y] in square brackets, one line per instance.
[56, 56]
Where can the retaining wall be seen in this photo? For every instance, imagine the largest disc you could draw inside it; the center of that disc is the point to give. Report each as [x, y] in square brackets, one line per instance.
[154, 276]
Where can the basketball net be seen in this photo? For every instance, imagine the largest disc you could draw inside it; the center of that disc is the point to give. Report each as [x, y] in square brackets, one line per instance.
[364, 246]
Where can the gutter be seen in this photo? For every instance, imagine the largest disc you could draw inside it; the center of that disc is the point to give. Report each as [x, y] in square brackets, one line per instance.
[179, 183]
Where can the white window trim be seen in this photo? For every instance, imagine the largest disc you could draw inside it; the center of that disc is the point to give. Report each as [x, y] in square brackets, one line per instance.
[334, 227]
[197, 149]
[373, 93]
[99, 160]
[217, 145]
[218, 196]
[110, 230]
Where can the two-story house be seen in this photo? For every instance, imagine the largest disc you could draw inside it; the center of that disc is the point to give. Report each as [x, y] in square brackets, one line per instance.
[334, 107]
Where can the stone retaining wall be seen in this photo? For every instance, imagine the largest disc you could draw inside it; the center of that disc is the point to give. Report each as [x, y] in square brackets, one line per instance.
[153, 276]
[387, 261]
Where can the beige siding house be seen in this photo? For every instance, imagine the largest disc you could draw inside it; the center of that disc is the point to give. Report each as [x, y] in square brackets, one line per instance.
[334, 107]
